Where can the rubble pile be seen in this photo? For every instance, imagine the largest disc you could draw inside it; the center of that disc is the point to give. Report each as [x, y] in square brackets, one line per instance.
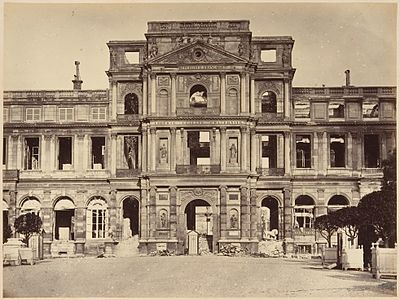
[270, 248]
[232, 250]
[204, 248]
[162, 253]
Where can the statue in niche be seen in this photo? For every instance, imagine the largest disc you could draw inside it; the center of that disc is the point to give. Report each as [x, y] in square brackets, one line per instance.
[153, 51]
[113, 59]
[198, 98]
[232, 154]
[130, 151]
[163, 220]
[265, 222]
[126, 229]
[163, 153]
[240, 49]
[333, 157]
[234, 220]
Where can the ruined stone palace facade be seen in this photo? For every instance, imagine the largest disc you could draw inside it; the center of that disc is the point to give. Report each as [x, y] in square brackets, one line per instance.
[200, 129]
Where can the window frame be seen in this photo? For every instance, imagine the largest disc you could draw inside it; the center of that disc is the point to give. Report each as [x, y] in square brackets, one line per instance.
[66, 111]
[33, 112]
[309, 136]
[99, 206]
[98, 113]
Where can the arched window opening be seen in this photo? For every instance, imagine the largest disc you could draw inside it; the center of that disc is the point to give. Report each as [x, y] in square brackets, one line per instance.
[232, 101]
[337, 202]
[304, 212]
[65, 219]
[268, 102]
[97, 219]
[198, 96]
[269, 218]
[131, 104]
[31, 204]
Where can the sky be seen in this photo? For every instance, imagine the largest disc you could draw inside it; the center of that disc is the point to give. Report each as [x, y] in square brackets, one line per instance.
[42, 41]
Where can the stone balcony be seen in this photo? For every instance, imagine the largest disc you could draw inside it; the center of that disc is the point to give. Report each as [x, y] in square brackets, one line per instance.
[126, 173]
[198, 170]
[271, 117]
[346, 91]
[271, 171]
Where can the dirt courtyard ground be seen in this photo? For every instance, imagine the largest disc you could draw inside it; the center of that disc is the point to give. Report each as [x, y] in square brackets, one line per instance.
[184, 276]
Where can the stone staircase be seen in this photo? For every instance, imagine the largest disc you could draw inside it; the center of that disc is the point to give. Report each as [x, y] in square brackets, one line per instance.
[128, 247]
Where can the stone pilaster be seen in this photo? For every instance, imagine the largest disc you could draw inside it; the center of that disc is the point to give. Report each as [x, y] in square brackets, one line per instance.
[223, 149]
[172, 149]
[144, 230]
[173, 94]
[253, 150]
[113, 214]
[145, 94]
[223, 212]
[349, 144]
[12, 210]
[288, 214]
[253, 213]
[173, 216]
[243, 162]
[153, 94]
[243, 92]
[113, 100]
[152, 212]
[244, 213]
[252, 96]
[223, 91]
[113, 155]
[287, 108]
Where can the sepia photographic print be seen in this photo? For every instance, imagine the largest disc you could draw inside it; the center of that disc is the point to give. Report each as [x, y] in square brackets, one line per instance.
[199, 150]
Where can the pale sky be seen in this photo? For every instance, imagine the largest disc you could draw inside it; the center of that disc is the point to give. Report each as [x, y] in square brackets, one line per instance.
[42, 41]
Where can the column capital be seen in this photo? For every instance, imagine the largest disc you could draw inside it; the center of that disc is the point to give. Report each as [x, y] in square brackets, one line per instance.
[243, 189]
[113, 135]
[173, 130]
[153, 191]
[222, 74]
[152, 130]
[152, 75]
[253, 130]
[223, 188]
[320, 134]
[244, 129]
[173, 75]
[173, 190]
[48, 137]
[182, 131]
[222, 129]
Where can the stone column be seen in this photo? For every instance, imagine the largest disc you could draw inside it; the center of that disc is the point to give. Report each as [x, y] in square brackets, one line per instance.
[113, 214]
[19, 153]
[183, 146]
[223, 149]
[287, 99]
[325, 150]
[289, 164]
[172, 212]
[252, 97]
[223, 92]
[113, 100]
[243, 92]
[244, 213]
[85, 153]
[357, 152]
[11, 161]
[223, 212]
[152, 212]
[172, 149]
[314, 152]
[253, 150]
[144, 230]
[144, 149]
[145, 94]
[243, 163]
[213, 141]
[12, 210]
[178, 149]
[288, 232]
[173, 94]
[280, 151]
[113, 156]
[152, 148]
[253, 213]
[47, 165]
[349, 144]
[153, 94]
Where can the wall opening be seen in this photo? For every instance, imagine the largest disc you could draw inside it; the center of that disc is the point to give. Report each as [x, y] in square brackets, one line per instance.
[132, 57]
[4, 151]
[199, 147]
[130, 214]
[303, 151]
[64, 220]
[269, 215]
[337, 151]
[268, 102]
[65, 153]
[269, 151]
[131, 147]
[371, 151]
[31, 153]
[304, 212]
[98, 152]
[198, 96]
[131, 104]
[336, 109]
[268, 55]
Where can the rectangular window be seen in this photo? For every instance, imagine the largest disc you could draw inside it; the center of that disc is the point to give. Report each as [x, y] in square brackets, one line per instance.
[98, 223]
[98, 113]
[5, 115]
[337, 151]
[33, 114]
[268, 151]
[163, 196]
[303, 217]
[199, 146]
[303, 151]
[66, 114]
[371, 151]
[268, 55]
[65, 153]
[31, 153]
[336, 109]
[233, 196]
[301, 109]
[98, 152]
[370, 109]
[4, 151]
[132, 57]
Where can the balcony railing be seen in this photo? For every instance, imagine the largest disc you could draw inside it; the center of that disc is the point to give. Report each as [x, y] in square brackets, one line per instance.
[128, 118]
[271, 171]
[271, 117]
[347, 91]
[120, 173]
[197, 111]
[101, 95]
[198, 170]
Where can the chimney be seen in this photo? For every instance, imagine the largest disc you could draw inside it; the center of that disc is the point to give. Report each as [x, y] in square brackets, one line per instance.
[77, 79]
[347, 72]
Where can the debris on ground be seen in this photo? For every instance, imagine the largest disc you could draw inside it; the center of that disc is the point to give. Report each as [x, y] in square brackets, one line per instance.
[233, 250]
[270, 248]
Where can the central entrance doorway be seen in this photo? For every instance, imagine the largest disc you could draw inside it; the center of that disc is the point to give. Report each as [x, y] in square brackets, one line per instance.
[198, 217]
[130, 214]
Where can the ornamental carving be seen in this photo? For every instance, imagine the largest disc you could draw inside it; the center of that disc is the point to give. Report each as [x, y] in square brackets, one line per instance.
[232, 79]
[126, 88]
[273, 86]
[163, 80]
[188, 195]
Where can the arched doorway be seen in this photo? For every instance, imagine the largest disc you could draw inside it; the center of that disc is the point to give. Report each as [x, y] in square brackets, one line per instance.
[199, 217]
[5, 221]
[130, 215]
[269, 215]
[64, 219]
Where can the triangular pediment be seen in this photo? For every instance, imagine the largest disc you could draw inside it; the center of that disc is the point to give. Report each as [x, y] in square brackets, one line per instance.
[197, 52]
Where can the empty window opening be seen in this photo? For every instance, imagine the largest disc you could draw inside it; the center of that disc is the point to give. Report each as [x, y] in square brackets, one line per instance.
[337, 151]
[131, 104]
[31, 153]
[304, 212]
[132, 57]
[268, 55]
[64, 153]
[65, 220]
[336, 110]
[199, 217]
[302, 109]
[131, 144]
[371, 151]
[370, 109]
[269, 215]
[4, 151]
[198, 96]
[268, 151]
[268, 102]
[303, 151]
[131, 217]
[98, 152]
[199, 147]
